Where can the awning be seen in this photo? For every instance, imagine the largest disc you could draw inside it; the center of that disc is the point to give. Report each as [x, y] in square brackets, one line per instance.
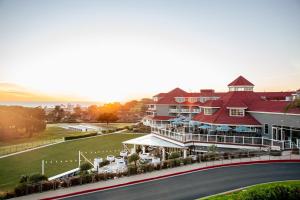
[152, 140]
[242, 129]
[194, 123]
[223, 128]
[205, 126]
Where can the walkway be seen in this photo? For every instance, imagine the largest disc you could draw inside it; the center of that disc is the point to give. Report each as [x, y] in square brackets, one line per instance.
[139, 177]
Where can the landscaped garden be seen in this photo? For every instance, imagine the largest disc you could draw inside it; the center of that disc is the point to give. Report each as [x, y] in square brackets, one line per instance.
[60, 157]
[287, 190]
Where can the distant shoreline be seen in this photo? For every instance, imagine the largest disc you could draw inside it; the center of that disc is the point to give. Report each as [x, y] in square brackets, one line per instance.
[48, 104]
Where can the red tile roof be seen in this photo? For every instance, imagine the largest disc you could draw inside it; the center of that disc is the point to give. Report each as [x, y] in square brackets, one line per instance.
[274, 95]
[240, 81]
[272, 106]
[222, 117]
[213, 103]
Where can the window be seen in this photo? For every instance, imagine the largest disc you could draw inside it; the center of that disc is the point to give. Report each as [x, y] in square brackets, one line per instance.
[237, 112]
[179, 99]
[208, 111]
[193, 99]
[155, 98]
[266, 128]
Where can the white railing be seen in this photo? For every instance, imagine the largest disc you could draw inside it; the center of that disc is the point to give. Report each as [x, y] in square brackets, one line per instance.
[223, 139]
[185, 110]
[173, 110]
[195, 110]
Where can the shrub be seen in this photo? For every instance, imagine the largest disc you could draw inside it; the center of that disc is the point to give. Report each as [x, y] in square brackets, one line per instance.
[226, 156]
[87, 178]
[85, 166]
[275, 153]
[187, 161]
[295, 151]
[75, 180]
[164, 164]
[133, 158]
[132, 170]
[47, 185]
[80, 136]
[64, 183]
[99, 177]
[23, 179]
[20, 189]
[157, 167]
[35, 178]
[177, 162]
[105, 162]
[174, 155]
[271, 193]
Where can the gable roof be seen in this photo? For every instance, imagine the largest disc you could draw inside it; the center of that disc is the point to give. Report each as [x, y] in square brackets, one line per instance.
[240, 81]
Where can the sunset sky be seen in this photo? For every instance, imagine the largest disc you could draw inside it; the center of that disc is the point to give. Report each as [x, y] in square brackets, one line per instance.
[120, 50]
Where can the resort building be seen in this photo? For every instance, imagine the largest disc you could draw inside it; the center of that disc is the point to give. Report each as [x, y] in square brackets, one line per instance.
[238, 118]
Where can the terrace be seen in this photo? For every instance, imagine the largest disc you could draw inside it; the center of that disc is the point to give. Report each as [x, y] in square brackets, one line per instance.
[190, 138]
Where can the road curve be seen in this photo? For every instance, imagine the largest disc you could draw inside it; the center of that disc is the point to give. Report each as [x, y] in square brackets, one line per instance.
[201, 183]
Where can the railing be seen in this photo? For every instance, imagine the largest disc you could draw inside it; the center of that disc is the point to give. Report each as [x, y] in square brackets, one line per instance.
[174, 110]
[185, 110]
[223, 139]
[195, 110]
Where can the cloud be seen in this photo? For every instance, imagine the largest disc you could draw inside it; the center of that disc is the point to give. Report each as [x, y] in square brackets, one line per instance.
[14, 92]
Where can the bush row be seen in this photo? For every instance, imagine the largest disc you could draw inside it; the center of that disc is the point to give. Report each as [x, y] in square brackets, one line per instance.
[79, 136]
[276, 192]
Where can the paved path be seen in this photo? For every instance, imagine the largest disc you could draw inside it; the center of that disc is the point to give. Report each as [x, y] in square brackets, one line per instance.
[201, 183]
[124, 180]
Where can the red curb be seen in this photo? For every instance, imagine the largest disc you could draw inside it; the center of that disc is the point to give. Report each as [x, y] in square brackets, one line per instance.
[168, 175]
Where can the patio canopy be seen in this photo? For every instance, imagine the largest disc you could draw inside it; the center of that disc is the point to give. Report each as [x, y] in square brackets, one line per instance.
[224, 128]
[152, 140]
[205, 126]
[242, 129]
[194, 123]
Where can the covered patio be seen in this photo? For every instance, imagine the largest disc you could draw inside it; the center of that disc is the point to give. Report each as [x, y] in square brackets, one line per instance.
[151, 140]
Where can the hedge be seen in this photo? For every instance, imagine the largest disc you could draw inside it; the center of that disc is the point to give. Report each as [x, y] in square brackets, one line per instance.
[79, 136]
[276, 192]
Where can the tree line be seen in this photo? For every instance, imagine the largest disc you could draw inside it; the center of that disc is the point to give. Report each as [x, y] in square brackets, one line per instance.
[18, 121]
[131, 111]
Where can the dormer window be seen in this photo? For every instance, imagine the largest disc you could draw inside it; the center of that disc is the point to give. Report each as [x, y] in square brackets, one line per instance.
[208, 111]
[240, 88]
[193, 99]
[180, 99]
[236, 112]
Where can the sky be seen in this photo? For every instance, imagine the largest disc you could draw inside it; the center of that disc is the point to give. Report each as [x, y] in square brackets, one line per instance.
[121, 50]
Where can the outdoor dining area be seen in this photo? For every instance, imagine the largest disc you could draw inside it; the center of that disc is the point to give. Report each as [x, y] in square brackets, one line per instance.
[183, 124]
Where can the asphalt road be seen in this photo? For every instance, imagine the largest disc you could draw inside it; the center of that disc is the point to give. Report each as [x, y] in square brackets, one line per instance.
[201, 183]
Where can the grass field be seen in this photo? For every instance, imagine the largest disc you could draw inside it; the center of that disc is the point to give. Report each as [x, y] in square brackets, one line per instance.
[11, 168]
[234, 195]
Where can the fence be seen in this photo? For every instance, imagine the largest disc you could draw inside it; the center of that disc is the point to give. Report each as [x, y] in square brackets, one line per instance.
[5, 150]
[223, 139]
[203, 160]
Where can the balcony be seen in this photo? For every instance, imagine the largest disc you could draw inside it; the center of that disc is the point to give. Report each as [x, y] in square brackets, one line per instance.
[174, 110]
[219, 139]
[185, 110]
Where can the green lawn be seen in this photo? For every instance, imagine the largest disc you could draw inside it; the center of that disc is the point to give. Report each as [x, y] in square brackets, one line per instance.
[51, 132]
[234, 195]
[11, 168]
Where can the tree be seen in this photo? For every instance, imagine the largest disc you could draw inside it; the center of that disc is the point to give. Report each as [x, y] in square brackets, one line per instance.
[107, 117]
[93, 112]
[133, 158]
[294, 104]
[84, 167]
